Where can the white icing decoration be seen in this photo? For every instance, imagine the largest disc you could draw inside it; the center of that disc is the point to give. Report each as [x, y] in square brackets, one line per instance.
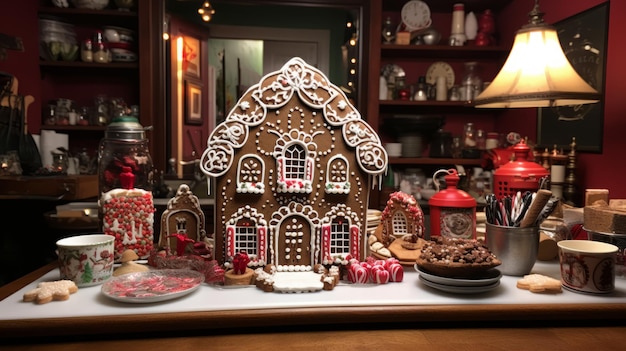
[303, 125]
[337, 181]
[250, 173]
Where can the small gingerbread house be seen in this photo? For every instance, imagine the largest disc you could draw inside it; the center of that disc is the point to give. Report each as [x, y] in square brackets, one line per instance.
[183, 216]
[292, 166]
[402, 216]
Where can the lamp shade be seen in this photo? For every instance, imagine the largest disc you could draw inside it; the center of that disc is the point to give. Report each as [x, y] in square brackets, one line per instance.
[537, 73]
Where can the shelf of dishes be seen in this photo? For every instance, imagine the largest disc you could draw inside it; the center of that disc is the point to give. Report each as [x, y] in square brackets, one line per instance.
[416, 161]
[87, 16]
[99, 36]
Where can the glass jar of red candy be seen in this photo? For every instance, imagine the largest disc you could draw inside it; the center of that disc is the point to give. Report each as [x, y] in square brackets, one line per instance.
[125, 204]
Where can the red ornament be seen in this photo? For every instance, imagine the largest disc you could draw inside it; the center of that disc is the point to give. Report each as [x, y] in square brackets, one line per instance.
[127, 178]
[487, 22]
[482, 39]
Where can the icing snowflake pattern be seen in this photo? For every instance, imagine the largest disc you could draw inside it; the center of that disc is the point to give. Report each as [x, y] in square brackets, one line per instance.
[275, 90]
[247, 114]
[310, 85]
[338, 111]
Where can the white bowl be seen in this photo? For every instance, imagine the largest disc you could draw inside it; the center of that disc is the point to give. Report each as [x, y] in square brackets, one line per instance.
[587, 266]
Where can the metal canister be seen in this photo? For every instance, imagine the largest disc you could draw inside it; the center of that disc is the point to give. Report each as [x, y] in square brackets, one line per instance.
[452, 210]
[519, 174]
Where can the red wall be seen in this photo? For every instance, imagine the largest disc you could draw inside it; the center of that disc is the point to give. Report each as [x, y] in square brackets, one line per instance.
[21, 21]
[604, 170]
[594, 170]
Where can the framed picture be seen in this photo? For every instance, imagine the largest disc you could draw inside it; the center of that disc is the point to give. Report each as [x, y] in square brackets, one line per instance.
[193, 102]
[191, 56]
[584, 41]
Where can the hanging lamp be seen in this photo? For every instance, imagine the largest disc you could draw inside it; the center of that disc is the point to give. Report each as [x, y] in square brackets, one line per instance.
[536, 73]
[206, 11]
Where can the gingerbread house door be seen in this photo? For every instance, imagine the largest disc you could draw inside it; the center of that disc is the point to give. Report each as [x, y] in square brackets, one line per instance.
[294, 241]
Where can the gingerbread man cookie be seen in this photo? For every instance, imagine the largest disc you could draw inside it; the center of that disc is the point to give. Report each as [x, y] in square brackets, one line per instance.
[539, 283]
[45, 292]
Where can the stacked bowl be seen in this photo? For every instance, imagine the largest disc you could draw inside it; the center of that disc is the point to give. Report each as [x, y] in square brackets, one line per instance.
[57, 40]
[121, 42]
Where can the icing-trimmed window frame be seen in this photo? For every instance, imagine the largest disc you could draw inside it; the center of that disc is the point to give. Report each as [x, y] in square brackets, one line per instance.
[295, 185]
[399, 221]
[248, 214]
[333, 185]
[341, 211]
[339, 229]
[250, 187]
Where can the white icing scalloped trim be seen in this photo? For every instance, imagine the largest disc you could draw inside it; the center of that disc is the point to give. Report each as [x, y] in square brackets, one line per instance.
[251, 188]
[337, 188]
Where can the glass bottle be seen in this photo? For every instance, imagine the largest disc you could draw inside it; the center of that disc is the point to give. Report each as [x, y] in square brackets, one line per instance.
[402, 92]
[49, 115]
[421, 91]
[62, 111]
[456, 148]
[83, 116]
[481, 139]
[457, 32]
[389, 32]
[99, 47]
[455, 93]
[126, 207]
[102, 110]
[471, 85]
[469, 136]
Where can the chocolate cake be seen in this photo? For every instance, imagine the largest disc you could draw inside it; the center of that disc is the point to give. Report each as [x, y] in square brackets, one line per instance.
[456, 257]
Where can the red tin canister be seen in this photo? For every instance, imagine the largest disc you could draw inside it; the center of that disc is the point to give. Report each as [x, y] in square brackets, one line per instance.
[518, 174]
[452, 210]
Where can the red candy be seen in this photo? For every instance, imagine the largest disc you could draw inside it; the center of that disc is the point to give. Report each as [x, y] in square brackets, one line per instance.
[375, 271]
[382, 277]
[396, 272]
[130, 220]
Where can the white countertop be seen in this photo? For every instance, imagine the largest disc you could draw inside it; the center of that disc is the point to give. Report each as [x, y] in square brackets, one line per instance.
[89, 302]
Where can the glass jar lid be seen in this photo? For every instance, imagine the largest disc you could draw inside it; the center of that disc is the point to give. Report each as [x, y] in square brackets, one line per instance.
[125, 128]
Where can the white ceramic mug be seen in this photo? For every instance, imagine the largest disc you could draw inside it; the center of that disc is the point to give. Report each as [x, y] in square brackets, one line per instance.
[86, 259]
[587, 266]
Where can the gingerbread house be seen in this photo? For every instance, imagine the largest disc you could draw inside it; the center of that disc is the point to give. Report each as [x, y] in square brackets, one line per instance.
[402, 216]
[292, 167]
[183, 216]
[401, 232]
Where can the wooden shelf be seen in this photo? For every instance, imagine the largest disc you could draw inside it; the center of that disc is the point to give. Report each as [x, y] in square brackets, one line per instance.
[446, 5]
[88, 17]
[431, 106]
[80, 65]
[417, 161]
[444, 51]
[69, 128]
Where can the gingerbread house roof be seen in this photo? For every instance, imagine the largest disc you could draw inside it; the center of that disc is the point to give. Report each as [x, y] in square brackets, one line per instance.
[274, 91]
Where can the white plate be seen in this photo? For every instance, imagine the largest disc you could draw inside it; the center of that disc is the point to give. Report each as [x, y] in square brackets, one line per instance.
[437, 69]
[459, 289]
[491, 276]
[152, 286]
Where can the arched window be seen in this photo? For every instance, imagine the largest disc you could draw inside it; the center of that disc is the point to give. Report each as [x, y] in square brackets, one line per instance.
[337, 176]
[246, 236]
[340, 236]
[295, 162]
[295, 169]
[250, 175]
[399, 223]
